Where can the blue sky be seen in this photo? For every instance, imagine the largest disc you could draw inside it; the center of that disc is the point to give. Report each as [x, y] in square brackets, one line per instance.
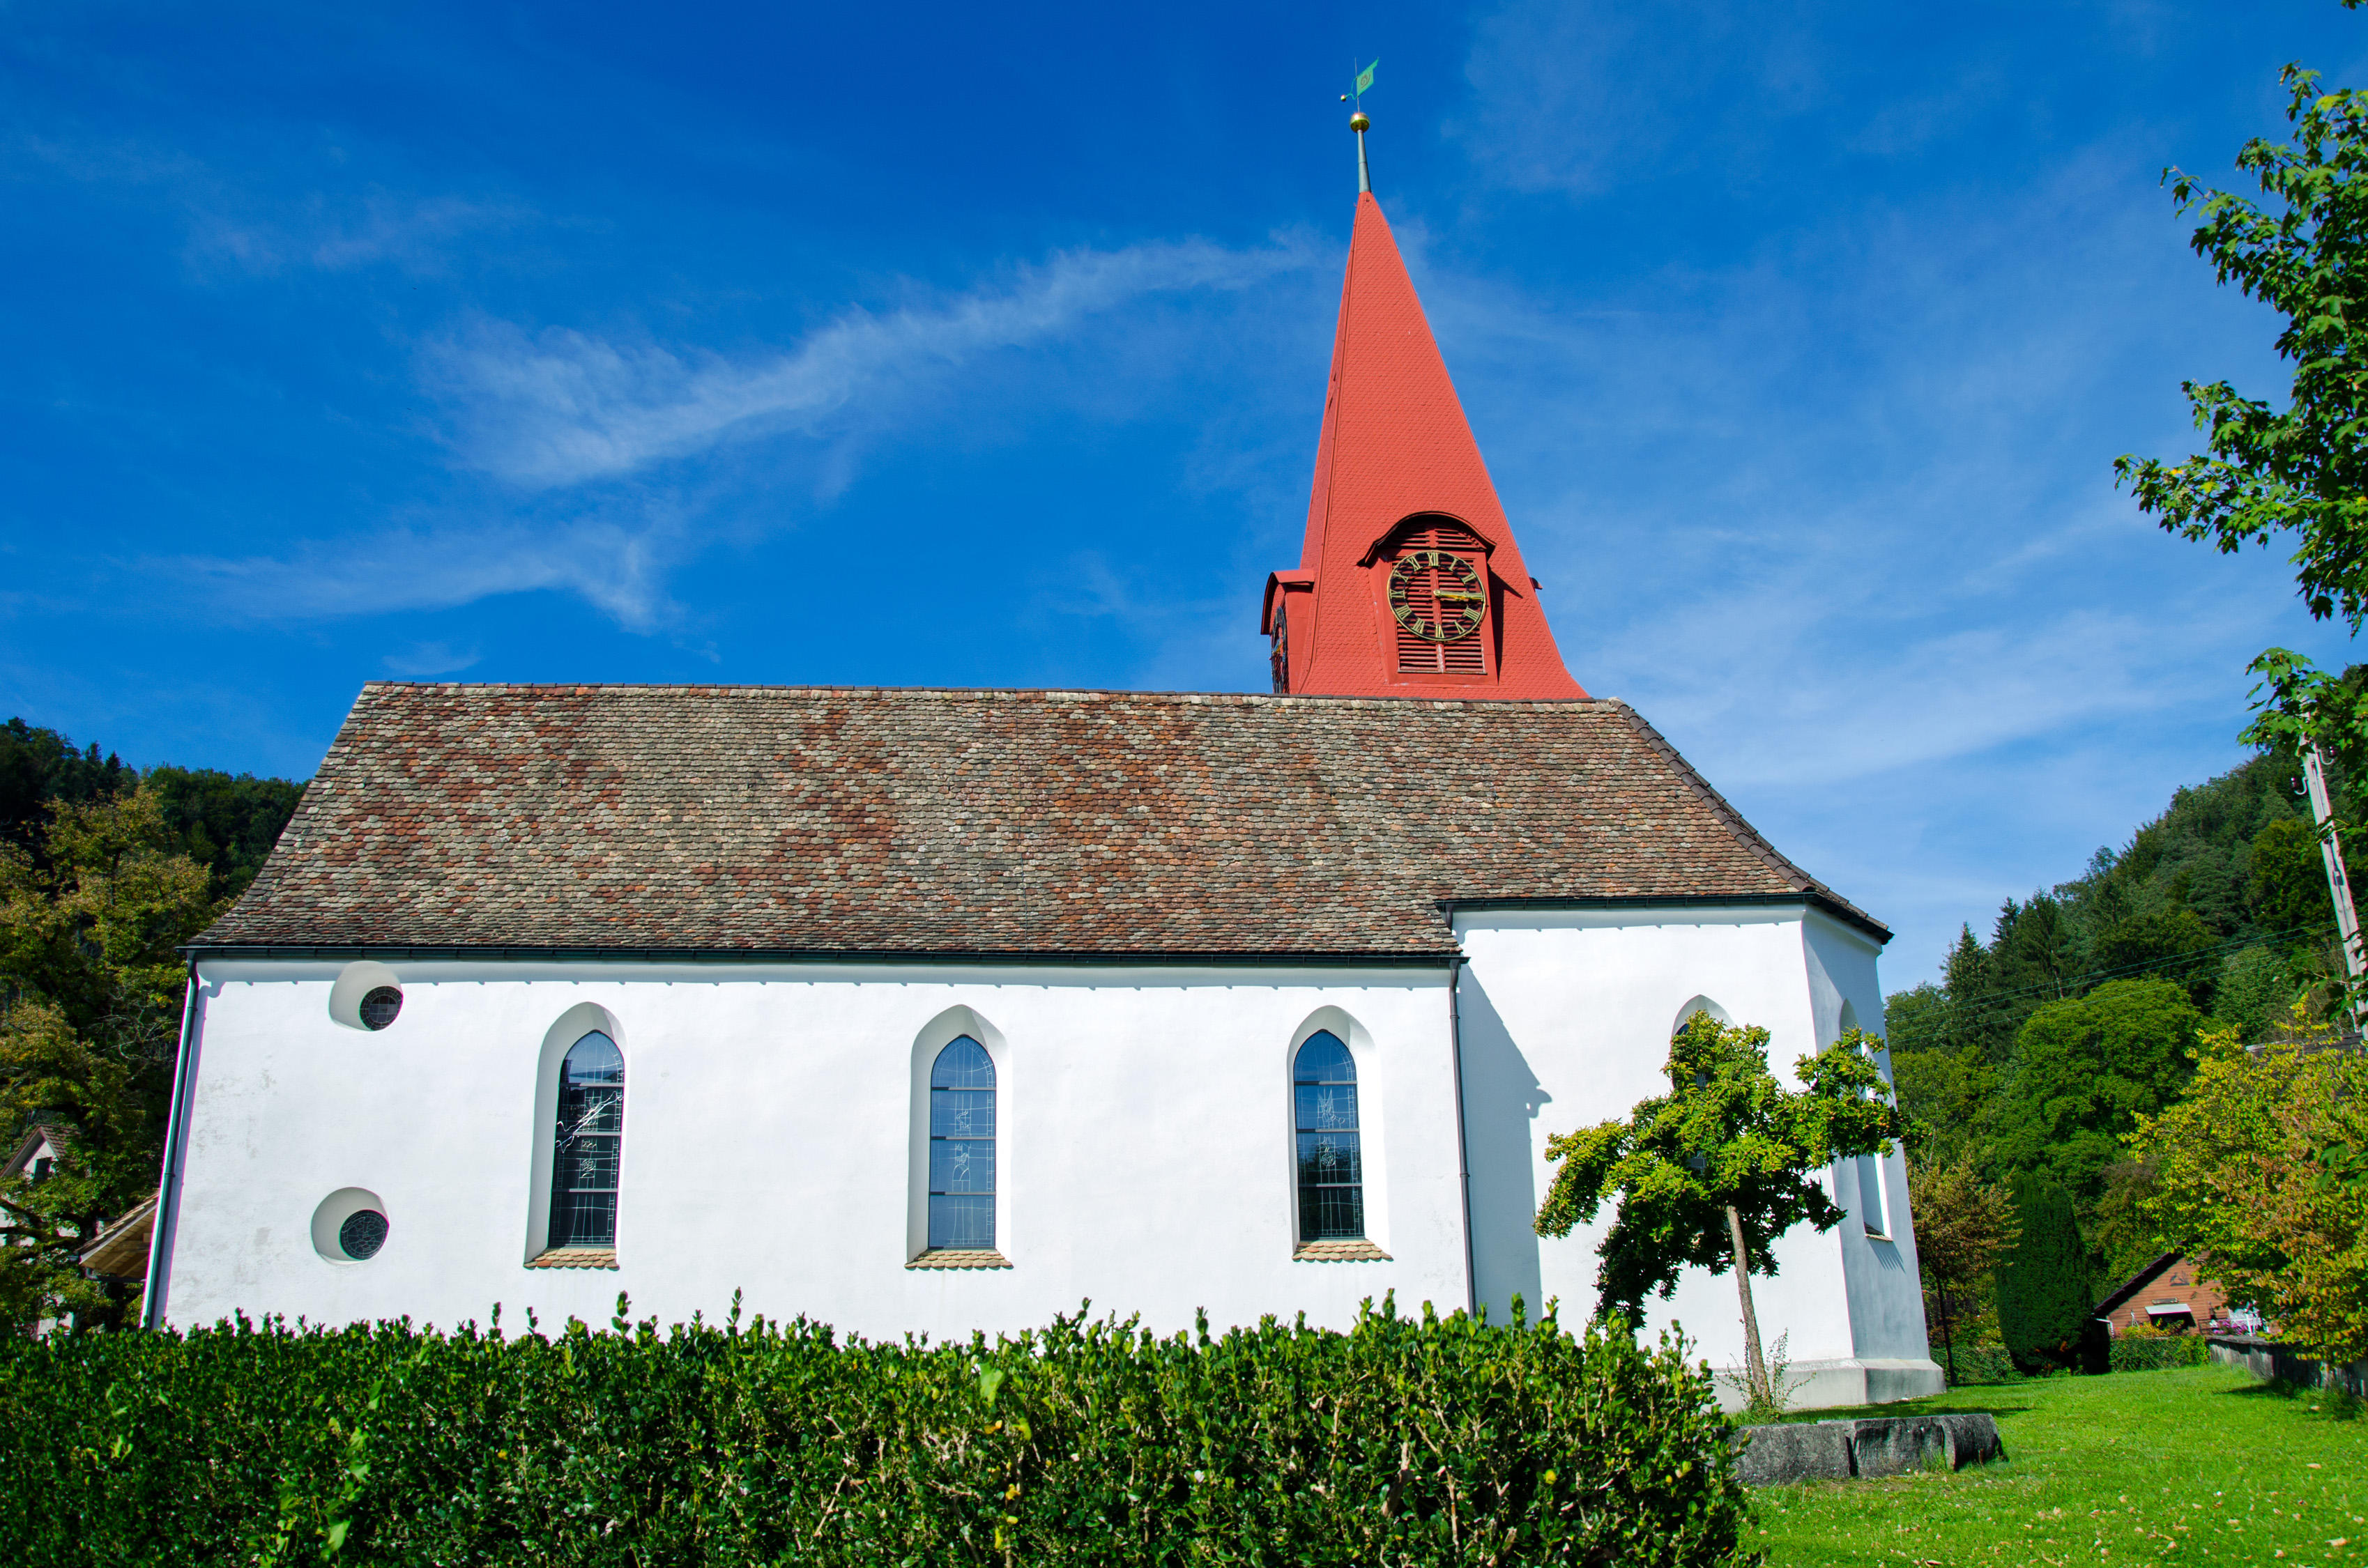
[986, 346]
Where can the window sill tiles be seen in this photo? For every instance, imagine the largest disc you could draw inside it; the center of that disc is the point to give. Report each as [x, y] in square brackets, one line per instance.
[574, 1257]
[960, 1257]
[1338, 1252]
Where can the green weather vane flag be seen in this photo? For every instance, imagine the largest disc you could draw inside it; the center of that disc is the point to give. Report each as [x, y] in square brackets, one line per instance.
[1356, 120]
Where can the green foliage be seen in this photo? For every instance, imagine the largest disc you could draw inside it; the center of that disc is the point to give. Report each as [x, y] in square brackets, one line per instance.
[2256, 990]
[1973, 1365]
[1727, 1136]
[2042, 1279]
[37, 767]
[2254, 1180]
[90, 1006]
[2086, 1069]
[2157, 1353]
[225, 824]
[1403, 1441]
[2302, 468]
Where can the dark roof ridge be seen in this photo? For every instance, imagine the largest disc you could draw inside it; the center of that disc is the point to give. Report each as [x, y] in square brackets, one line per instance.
[1744, 834]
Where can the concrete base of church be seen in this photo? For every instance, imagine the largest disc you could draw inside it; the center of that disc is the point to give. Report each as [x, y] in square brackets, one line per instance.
[1842, 1384]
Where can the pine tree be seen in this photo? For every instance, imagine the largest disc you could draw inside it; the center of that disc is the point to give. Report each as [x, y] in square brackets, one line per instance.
[2042, 1279]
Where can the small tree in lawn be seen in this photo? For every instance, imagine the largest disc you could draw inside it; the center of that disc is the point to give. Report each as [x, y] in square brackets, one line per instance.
[1710, 1174]
[1962, 1224]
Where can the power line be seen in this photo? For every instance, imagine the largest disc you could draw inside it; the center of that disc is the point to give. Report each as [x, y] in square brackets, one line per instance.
[1993, 1000]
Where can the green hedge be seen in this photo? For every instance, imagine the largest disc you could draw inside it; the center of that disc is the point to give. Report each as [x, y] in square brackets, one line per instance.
[1402, 1442]
[2152, 1353]
[1978, 1364]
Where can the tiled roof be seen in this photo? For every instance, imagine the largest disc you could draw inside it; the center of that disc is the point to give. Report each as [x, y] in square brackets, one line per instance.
[874, 822]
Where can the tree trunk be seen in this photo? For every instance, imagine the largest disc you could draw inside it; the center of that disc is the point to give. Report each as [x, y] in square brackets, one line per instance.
[1948, 1346]
[1755, 1371]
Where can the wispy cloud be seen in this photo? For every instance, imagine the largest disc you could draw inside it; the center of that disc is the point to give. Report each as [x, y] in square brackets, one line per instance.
[416, 235]
[423, 659]
[238, 223]
[580, 418]
[561, 407]
[616, 565]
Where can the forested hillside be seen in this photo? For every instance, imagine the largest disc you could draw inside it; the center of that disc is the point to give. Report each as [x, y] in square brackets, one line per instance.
[2079, 1012]
[105, 872]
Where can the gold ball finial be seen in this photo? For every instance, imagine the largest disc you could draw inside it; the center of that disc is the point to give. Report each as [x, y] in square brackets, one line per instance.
[1357, 122]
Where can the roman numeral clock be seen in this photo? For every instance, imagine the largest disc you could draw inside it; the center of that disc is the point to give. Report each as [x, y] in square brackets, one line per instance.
[1436, 595]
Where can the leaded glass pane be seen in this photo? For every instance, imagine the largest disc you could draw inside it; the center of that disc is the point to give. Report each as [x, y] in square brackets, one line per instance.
[962, 1113]
[1331, 1160]
[1324, 1060]
[964, 1166]
[964, 1064]
[962, 1147]
[967, 1223]
[362, 1234]
[587, 1144]
[1329, 1107]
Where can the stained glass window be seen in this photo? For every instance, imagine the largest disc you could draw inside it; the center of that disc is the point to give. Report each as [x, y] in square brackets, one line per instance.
[1331, 1165]
[962, 1147]
[591, 1130]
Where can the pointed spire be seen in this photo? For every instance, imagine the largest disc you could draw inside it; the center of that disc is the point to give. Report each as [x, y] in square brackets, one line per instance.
[1374, 609]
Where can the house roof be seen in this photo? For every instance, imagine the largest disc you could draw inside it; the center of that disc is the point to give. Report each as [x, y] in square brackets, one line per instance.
[2127, 1290]
[121, 1249]
[37, 1135]
[718, 820]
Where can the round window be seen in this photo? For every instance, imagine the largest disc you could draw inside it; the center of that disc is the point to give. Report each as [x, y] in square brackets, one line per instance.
[349, 1226]
[380, 1007]
[362, 1234]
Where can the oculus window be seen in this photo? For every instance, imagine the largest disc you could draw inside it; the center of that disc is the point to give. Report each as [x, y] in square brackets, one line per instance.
[1331, 1164]
[961, 1148]
[587, 1144]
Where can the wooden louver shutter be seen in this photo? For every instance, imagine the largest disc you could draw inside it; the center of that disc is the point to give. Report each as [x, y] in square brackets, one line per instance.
[1466, 655]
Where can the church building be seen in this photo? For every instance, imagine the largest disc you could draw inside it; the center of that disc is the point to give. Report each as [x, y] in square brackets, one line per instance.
[942, 1010]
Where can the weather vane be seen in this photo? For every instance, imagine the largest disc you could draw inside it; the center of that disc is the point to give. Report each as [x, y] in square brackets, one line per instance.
[1356, 120]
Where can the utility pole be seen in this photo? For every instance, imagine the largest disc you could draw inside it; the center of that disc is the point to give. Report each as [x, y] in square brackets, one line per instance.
[2330, 849]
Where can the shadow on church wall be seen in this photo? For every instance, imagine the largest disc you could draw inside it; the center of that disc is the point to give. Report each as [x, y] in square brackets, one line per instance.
[1501, 1100]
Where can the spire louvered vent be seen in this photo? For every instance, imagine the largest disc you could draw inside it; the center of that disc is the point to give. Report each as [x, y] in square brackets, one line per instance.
[1437, 594]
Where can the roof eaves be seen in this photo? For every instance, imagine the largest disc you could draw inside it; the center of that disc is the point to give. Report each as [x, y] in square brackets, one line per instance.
[1439, 958]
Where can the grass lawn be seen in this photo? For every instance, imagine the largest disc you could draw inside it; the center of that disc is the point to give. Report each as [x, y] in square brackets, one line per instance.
[2198, 1465]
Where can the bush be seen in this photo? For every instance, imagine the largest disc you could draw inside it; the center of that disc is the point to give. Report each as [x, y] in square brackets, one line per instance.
[2138, 1352]
[1410, 1442]
[1977, 1364]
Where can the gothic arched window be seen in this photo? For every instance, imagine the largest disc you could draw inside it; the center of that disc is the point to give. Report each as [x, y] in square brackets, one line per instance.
[586, 1143]
[1331, 1165]
[1437, 594]
[961, 1149]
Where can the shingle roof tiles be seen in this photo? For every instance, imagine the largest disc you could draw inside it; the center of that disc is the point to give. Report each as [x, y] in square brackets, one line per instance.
[906, 821]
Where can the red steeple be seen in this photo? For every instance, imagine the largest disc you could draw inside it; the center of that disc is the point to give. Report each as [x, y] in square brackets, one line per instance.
[1409, 584]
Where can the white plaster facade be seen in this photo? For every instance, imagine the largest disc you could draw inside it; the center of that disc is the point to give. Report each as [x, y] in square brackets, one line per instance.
[775, 1129]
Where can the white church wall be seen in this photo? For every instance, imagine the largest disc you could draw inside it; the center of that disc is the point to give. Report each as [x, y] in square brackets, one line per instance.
[769, 1117]
[1566, 1016]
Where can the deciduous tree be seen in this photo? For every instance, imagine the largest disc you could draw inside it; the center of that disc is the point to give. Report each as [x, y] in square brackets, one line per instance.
[90, 1004]
[1962, 1222]
[2258, 1179]
[1710, 1174]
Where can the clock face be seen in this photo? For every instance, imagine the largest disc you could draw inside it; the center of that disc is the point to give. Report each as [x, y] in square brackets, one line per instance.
[1436, 595]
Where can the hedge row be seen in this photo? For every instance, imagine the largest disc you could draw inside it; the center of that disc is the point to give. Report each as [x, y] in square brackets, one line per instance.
[1404, 1441]
[1977, 1364]
[2152, 1353]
